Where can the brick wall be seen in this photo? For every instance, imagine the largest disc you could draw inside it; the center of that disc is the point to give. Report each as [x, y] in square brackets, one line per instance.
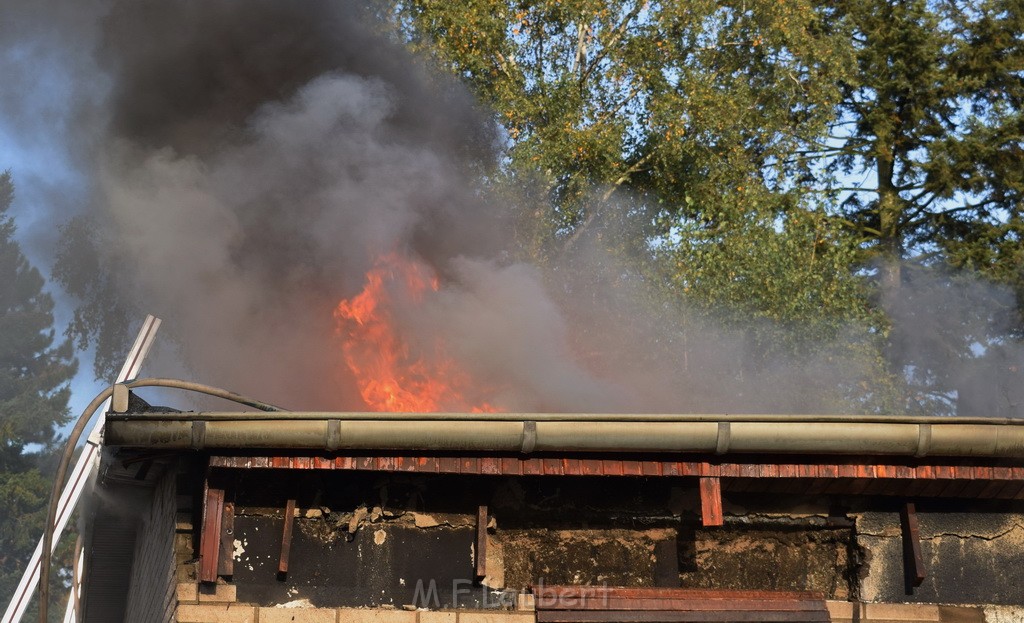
[151, 592]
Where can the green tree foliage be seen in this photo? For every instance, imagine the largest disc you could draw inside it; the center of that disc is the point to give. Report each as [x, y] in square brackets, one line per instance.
[700, 117]
[796, 161]
[34, 376]
[666, 100]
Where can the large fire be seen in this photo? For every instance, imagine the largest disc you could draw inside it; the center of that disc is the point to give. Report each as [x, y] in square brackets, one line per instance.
[389, 374]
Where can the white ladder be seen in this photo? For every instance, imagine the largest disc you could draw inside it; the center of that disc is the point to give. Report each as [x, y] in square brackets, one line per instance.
[80, 476]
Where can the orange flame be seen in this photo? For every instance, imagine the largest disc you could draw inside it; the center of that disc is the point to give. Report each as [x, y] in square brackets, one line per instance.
[390, 377]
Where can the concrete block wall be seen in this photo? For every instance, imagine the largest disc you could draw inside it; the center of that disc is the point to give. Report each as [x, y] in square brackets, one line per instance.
[151, 592]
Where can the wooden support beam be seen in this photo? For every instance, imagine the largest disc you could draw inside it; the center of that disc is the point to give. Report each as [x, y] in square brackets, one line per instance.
[226, 561]
[711, 501]
[286, 538]
[913, 561]
[481, 542]
[209, 538]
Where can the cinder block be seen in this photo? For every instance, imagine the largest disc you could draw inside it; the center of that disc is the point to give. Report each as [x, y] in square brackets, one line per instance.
[1004, 614]
[216, 613]
[491, 616]
[375, 615]
[900, 612]
[218, 593]
[187, 592]
[298, 615]
[526, 601]
[961, 614]
[436, 616]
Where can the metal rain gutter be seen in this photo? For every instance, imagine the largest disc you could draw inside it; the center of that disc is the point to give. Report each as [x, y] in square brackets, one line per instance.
[575, 432]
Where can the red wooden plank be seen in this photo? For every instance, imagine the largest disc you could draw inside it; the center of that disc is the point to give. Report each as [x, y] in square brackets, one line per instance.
[612, 601]
[209, 538]
[671, 468]
[512, 466]
[366, 462]
[1001, 472]
[631, 468]
[690, 468]
[944, 472]
[322, 462]
[828, 470]
[533, 467]
[903, 472]
[552, 467]
[788, 471]
[711, 501]
[650, 468]
[553, 595]
[743, 470]
[571, 467]
[448, 465]
[984, 472]
[694, 616]
[806, 471]
[611, 468]
[344, 462]
[386, 463]
[490, 465]
[591, 467]
[710, 469]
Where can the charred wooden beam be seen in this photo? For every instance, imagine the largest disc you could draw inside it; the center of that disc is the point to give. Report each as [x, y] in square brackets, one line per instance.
[711, 501]
[913, 561]
[226, 561]
[286, 539]
[209, 539]
[481, 542]
[602, 604]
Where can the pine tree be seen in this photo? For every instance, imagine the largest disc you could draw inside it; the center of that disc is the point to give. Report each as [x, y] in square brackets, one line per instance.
[34, 376]
[931, 123]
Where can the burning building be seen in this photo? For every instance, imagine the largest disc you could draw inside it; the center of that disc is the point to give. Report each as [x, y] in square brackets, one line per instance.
[295, 196]
[557, 518]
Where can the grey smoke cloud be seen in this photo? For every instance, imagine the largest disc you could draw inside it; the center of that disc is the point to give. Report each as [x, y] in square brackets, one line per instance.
[249, 161]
